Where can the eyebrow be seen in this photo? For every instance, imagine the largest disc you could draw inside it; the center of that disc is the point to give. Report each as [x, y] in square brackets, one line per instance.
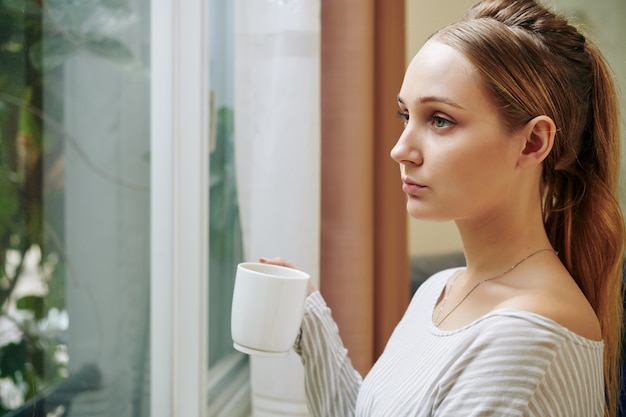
[435, 99]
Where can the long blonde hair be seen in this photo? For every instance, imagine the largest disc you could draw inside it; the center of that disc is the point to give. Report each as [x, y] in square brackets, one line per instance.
[533, 62]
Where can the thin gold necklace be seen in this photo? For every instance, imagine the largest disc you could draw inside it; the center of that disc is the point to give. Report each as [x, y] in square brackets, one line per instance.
[500, 275]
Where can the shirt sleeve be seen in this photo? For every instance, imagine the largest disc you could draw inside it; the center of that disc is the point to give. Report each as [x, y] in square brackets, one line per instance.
[331, 383]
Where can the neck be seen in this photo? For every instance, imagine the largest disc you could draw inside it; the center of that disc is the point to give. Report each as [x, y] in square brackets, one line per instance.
[494, 245]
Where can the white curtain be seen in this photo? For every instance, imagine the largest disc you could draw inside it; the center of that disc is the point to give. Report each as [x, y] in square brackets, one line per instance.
[277, 141]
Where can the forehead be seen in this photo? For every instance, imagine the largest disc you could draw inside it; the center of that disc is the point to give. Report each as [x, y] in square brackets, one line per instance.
[438, 70]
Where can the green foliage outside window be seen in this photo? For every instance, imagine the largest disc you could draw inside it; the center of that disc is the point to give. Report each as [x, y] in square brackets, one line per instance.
[36, 38]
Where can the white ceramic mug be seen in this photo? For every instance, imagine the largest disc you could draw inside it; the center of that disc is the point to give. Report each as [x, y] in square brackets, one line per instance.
[268, 303]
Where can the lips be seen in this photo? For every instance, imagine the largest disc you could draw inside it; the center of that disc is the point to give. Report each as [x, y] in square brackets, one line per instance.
[411, 187]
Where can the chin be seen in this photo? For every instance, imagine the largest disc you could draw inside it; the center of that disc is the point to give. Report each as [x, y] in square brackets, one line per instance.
[426, 215]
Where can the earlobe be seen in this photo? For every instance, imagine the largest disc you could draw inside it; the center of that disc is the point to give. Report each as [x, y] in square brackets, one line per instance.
[538, 140]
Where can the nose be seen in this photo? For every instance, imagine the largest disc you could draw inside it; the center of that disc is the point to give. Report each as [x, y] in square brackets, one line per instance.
[406, 151]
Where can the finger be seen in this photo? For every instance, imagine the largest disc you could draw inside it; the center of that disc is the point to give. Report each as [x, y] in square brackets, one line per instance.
[276, 261]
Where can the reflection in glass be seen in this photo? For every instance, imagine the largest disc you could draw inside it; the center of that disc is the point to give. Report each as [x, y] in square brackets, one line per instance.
[225, 243]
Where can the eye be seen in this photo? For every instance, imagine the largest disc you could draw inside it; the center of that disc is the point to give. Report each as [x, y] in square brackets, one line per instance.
[440, 122]
[404, 116]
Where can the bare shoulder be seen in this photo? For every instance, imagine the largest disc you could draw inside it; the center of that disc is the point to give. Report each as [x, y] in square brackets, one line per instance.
[558, 298]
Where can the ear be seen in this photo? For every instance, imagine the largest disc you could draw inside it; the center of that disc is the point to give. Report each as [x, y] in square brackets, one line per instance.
[538, 138]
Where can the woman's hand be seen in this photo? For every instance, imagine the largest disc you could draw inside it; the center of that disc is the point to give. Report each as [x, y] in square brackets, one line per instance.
[281, 262]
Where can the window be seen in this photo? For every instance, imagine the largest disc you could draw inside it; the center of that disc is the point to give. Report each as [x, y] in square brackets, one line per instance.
[119, 225]
[75, 189]
[228, 392]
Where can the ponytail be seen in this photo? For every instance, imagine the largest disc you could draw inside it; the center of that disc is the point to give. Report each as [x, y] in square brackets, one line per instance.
[586, 225]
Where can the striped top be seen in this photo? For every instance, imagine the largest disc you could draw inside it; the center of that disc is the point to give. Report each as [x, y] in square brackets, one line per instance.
[506, 363]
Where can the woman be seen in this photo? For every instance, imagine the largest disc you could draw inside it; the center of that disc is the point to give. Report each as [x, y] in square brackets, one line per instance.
[511, 130]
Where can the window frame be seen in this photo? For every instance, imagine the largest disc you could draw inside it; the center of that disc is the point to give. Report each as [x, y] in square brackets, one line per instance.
[179, 209]
[181, 383]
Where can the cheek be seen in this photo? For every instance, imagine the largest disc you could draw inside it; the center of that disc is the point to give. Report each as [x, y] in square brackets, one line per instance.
[486, 174]
[471, 172]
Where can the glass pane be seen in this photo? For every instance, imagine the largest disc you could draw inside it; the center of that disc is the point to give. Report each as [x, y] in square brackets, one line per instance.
[225, 231]
[74, 207]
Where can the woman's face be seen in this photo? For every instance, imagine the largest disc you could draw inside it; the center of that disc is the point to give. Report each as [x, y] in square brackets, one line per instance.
[456, 158]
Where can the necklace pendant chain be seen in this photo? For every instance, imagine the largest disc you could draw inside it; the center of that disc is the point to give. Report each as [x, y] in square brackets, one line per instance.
[438, 321]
